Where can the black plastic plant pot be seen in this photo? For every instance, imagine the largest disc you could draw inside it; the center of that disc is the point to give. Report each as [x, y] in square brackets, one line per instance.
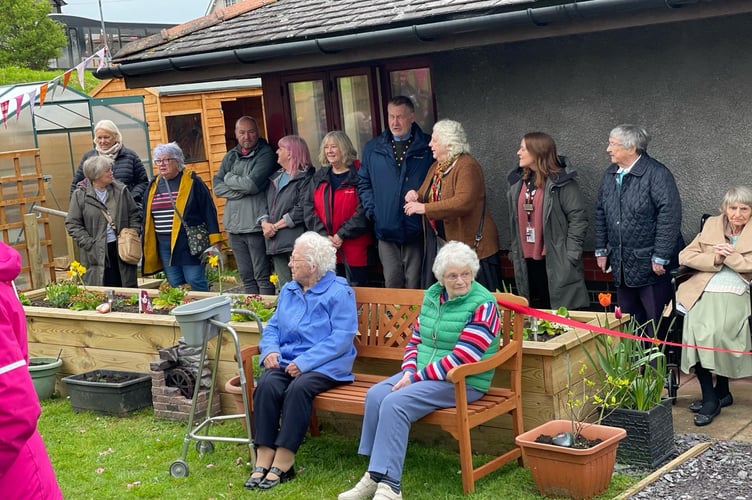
[110, 392]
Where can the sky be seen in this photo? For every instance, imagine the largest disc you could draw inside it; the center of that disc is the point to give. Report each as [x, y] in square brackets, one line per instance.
[138, 11]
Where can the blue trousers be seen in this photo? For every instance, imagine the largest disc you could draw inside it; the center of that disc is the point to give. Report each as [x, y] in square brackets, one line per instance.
[282, 407]
[194, 275]
[388, 416]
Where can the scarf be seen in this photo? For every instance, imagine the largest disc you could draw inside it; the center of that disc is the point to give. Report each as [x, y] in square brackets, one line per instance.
[442, 169]
[110, 153]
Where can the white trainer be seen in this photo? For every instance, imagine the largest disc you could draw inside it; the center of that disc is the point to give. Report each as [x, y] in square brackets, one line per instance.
[385, 492]
[364, 490]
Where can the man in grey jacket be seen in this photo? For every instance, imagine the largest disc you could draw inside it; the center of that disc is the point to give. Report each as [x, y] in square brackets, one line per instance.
[242, 179]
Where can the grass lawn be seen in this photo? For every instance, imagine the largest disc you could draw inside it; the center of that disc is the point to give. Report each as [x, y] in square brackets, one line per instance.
[101, 457]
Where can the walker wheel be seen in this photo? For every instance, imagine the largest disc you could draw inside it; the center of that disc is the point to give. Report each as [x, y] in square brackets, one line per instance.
[179, 468]
[204, 447]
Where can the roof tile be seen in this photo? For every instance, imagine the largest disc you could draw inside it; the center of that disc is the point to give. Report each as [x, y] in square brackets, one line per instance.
[261, 22]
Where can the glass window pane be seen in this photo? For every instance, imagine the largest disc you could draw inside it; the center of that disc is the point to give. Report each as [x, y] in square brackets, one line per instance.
[308, 111]
[354, 104]
[187, 132]
[416, 84]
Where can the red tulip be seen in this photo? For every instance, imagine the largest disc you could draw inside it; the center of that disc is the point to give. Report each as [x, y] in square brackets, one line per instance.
[617, 312]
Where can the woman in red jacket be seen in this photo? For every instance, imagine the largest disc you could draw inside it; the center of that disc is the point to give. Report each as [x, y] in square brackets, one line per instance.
[334, 208]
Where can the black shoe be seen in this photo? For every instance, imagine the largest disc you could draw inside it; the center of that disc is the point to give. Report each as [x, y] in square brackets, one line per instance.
[253, 482]
[282, 477]
[726, 400]
[701, 419]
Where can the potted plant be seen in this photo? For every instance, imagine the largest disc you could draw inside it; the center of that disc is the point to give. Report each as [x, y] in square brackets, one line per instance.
[640, 368]
[574, 458]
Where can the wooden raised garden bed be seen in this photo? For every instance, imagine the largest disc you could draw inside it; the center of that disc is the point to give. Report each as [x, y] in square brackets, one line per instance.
[120, 341]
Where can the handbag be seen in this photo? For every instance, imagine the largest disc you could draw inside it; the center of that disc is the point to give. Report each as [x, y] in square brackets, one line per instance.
[198, 235]
[128, 240]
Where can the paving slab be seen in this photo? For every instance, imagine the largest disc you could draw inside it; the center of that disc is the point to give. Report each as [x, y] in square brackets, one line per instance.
[734, 422]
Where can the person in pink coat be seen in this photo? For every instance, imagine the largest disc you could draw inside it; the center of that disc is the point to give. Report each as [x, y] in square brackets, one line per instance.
[25, 469]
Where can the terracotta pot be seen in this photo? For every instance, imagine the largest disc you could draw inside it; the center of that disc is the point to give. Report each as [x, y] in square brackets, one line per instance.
[571, 472]
[232, 386]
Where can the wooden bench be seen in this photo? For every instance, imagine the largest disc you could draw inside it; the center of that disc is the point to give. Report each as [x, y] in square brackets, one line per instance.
[385, 320]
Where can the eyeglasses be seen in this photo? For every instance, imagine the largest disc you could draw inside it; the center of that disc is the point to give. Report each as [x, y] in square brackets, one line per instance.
[163, 161]
[612, 144]
[292, 259]
[466, 276]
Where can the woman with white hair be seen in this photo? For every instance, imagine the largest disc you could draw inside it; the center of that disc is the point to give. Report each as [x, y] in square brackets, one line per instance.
[97, 212]
[177, 197]
[458, 324]
[127, 166]
[453, 199]
[307, 348]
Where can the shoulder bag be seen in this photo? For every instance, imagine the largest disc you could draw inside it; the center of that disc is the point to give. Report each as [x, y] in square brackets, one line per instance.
[129, 242]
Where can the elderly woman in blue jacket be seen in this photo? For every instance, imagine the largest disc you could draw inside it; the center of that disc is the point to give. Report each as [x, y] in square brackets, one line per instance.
[307, 348]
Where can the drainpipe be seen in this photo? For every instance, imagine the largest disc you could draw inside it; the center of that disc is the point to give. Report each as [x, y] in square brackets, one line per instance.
[541, 16]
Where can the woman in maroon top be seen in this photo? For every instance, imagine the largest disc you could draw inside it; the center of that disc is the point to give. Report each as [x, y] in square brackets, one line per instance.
[548, 223]
[334, 208]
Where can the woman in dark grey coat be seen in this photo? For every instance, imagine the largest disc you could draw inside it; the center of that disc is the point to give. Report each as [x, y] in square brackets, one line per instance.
[548, 224]
[96, 237]
[285, 195]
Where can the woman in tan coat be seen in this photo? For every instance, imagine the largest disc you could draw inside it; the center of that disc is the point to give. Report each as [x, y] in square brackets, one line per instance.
[453, 199]
[717, 303]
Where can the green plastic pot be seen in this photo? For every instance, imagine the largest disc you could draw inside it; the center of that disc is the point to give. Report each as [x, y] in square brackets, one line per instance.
[43, 373]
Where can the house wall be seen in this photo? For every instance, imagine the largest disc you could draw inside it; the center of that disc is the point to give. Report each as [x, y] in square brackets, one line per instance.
[686, 83]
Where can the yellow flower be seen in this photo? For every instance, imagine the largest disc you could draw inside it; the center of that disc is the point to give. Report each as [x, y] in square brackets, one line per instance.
[274, 279]
[214, 260]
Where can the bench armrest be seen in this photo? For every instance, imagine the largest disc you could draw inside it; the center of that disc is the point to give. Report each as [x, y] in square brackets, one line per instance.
[504, 354]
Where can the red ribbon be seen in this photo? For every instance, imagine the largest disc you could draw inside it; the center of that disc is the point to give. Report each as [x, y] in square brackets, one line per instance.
[529, 311]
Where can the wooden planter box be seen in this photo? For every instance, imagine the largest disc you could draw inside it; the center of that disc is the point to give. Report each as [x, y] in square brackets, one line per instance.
[121, 341]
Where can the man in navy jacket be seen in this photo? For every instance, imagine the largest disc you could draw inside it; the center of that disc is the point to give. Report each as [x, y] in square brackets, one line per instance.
[392, 164]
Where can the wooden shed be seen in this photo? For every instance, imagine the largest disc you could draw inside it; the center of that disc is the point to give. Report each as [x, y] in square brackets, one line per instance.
[200, 117]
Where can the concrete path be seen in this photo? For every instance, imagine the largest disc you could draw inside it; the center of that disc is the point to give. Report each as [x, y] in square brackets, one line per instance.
[734, 422]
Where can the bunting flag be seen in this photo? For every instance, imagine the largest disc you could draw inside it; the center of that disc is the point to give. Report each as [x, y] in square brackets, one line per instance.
[4, 108]
[102, 55]
[53, 86]
[66, 78]
[32, 96]
[43, 93]
[19, 103]
[80, 70]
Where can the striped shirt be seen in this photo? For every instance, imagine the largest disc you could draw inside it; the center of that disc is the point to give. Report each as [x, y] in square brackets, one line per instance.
[163, 207]
[472, 343]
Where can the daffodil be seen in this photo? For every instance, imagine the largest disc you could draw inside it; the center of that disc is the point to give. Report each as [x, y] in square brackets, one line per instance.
[274, 279]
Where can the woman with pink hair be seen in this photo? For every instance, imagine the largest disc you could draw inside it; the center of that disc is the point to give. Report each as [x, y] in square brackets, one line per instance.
[284, 219]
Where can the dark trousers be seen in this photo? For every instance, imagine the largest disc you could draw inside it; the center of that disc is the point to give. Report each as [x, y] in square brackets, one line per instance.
[646, 303]
[282, 407]
[537, 282]
[112, 266]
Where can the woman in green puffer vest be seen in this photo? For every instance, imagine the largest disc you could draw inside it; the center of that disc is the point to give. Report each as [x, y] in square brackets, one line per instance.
[458, 324]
